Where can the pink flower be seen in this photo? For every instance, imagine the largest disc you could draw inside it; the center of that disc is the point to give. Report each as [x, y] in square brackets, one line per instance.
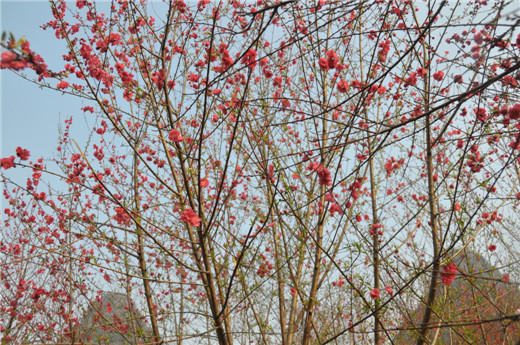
[204, 182]
[81, 3]
[411, 80]
[22, 153]
[323, 173]
[323, 64]
[193, 77]
[62, 85]
[250, 59]
[7, 163]
[189, 216]
[374, 294]
[492, 247]
[175, 136]
[448, 274]
[438, 75]
[335, 208]
[389, 290]
[481, 114]
[514, 112]
[325, 178]
[12, 61]
[332, 59]
[122, 217]
[342, 86]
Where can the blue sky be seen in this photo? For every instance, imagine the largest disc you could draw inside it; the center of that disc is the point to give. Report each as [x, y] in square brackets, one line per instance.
[30, 115]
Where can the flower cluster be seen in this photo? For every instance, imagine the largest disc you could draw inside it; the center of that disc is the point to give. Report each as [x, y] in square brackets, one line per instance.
[448, 274]
[12, 61]
[190, 217]
[323, 173]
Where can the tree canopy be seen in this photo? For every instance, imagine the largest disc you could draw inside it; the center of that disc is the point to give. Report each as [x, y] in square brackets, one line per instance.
[285, 172]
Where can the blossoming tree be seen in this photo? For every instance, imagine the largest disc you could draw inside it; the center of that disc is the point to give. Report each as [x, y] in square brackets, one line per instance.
[266, 172]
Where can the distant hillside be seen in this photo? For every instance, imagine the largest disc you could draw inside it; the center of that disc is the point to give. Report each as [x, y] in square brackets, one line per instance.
[478, 293]
[113, 319]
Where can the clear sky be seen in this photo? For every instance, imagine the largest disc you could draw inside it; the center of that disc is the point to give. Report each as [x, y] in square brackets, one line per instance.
[30, 115]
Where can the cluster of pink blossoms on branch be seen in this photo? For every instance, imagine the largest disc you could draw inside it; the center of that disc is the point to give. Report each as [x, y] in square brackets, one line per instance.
[26, 58]
[323, 173]
[448, 274]
[12, 61]
[190, 217]
[8, 162]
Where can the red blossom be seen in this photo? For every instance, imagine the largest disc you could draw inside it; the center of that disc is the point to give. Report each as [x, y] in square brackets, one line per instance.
[383, 52]
[22, 153]
[175, 136]
[339, 283]
[335, 208]
[122, 217]
[492, 247]
[448, 274]
[81, 3]
[323, 173]
[267, 73]
[510, 81]
[411, 80]
[514, 112]
[250, 59]
[7, 163]
[189, 216]
[323, 64]
[332, 59]
[343, 86]
[325, 178]
[438, 75]
[12, 61]
[126, 77]
[374, 294]
[62, 85]
[481, 114]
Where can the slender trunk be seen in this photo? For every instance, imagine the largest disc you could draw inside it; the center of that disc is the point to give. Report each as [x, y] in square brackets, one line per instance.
[321, 223]
[375, 220]
[432, 200]
[375, 249]
[142, 259]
